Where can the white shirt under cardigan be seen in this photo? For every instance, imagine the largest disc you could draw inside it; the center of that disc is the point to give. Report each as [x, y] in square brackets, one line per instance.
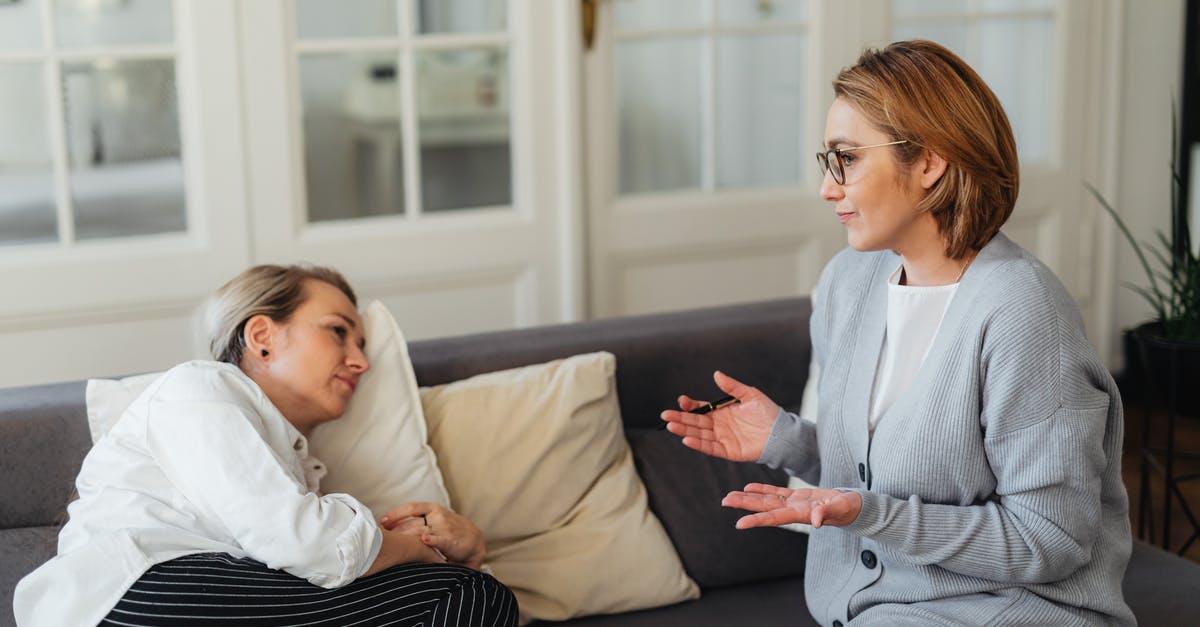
[991, 488]
[200, 462]
[914, 314]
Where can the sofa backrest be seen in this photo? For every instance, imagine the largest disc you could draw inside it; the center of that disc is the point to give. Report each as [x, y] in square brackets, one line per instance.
[43, 438]
[659, 356]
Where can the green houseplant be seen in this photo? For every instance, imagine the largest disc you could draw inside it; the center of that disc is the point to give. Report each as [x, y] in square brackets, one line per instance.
[1170, 343]
[1168, 354]
[1174, 289]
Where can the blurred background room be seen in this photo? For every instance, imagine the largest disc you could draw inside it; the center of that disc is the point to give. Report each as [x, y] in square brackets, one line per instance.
[488, 164]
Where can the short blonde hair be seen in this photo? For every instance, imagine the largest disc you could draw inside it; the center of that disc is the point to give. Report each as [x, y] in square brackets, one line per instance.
[921, 92]
[270, 290]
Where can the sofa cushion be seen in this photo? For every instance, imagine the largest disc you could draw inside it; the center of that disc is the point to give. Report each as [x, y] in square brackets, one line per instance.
[779, 602]
[685, 488]
[536, 457]
[1160, 587]
[24, 549]
[43, 439]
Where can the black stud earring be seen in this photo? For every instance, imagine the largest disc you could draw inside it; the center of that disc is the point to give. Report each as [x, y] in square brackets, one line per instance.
[265, 352]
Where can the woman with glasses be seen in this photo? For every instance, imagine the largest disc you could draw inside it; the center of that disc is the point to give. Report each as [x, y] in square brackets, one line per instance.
[967, 439]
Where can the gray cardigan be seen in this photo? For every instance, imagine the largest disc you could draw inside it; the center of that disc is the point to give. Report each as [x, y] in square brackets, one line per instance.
[992, 487]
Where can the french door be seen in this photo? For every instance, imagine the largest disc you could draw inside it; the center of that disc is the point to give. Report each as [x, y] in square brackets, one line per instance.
[424, 148]
[703, 118]
[122, 190]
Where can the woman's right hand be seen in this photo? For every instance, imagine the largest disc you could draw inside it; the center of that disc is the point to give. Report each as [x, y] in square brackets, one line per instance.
[402, 548]
[736, 432]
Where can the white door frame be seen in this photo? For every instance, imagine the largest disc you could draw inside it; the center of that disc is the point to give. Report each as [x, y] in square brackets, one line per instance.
[435, 270]
[123, 304]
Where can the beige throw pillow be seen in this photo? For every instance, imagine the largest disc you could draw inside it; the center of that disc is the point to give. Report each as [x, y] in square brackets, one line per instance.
[537, 458]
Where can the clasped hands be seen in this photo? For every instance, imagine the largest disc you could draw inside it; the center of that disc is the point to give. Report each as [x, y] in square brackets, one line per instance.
[739, 433]
[450, 535]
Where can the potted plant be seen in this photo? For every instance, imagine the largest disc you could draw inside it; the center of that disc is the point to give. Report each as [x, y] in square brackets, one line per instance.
[1168, 348]
[1169, 345]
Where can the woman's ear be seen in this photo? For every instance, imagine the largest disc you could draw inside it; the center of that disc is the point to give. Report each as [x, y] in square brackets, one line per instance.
[933, 166]
[258, 334]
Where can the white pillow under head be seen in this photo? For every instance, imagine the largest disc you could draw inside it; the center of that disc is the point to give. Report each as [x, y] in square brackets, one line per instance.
[377, 452]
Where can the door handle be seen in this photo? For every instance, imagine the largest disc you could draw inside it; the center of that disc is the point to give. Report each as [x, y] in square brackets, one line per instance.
[587, 16]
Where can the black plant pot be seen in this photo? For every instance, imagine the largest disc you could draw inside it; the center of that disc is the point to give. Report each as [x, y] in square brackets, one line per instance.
[1167, 364]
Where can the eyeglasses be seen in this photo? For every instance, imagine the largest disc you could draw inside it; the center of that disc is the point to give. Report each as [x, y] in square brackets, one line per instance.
[832, 159]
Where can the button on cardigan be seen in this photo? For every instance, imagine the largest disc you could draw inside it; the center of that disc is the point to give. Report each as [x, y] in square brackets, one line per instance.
[995, 492]
[200, 462]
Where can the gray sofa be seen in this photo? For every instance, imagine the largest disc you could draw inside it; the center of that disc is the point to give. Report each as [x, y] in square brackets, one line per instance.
[748, 578]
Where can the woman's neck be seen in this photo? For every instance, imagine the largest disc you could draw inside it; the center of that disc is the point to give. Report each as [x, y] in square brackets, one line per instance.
[928, 266]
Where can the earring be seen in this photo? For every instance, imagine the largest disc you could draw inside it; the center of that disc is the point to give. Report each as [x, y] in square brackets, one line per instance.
[265, 353]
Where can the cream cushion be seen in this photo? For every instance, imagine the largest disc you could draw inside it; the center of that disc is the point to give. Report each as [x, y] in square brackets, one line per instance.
[376, 452]
[536, 457]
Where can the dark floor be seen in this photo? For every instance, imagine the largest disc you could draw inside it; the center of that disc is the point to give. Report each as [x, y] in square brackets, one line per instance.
[1187, 438]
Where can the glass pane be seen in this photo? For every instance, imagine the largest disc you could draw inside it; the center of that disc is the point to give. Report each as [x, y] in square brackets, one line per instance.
[122, 125]
[913, 8]
[113, 22]
[1022, 77]
[991, 6]
[461, 16]
[743, 11]
[951, 34]
[760, 107]
[463, 108]
[635, 14]
[20, 25]
[353, 153]
[659, 103]
[346, 18]
[26, 175]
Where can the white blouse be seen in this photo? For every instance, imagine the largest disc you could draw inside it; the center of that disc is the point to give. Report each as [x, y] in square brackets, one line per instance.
[914, 315]
[200, 462]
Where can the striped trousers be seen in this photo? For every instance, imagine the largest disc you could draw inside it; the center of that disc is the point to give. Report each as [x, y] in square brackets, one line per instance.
[210, 588]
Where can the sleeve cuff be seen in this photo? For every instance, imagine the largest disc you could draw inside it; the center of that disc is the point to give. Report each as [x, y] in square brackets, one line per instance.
[357, 546]
[792, 446]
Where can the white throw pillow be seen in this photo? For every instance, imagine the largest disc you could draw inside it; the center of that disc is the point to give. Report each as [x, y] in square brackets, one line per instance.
[377, 452]
[536, 457]
[107, 399]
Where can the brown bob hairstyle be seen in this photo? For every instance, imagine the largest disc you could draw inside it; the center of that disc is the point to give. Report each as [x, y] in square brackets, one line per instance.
[921, 92]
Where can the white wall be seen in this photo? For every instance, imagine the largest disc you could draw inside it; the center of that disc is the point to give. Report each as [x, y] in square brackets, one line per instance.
[1151, 73]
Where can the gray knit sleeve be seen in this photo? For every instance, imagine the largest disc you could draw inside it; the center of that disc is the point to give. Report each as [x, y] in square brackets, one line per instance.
[792, 446]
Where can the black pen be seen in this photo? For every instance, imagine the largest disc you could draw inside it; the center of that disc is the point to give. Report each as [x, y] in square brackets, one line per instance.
[724, 401]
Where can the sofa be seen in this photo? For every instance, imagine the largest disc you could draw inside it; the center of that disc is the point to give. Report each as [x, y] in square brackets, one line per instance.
[747, 577]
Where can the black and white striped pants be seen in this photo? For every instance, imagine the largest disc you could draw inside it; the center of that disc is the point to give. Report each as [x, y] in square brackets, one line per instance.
[211, 588]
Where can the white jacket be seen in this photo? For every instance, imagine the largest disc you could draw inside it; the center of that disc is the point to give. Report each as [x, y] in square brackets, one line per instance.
[200, 462]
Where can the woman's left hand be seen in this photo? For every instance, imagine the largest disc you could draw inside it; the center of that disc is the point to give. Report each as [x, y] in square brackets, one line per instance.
[780, 506]
[453, 534]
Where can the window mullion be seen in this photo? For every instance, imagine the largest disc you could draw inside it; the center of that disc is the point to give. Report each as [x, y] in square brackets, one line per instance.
[410, 140]
[56, 123]
[708, 112]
